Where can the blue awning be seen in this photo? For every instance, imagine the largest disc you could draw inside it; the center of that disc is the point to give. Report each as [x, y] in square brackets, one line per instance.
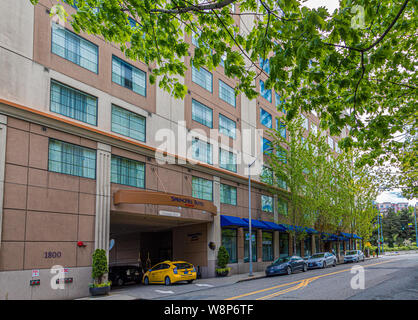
[256, 224]
[233, 221]
[350, 235]
[274, 226]
[299, 229]
[329, 237]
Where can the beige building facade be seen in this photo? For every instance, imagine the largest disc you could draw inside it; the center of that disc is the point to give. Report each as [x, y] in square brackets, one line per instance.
[64, 156]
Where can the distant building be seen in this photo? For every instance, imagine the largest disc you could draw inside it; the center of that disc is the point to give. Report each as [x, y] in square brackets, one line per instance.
[385, 206]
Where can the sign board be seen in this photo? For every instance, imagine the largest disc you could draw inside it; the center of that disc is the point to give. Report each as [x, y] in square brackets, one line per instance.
[162, 198]
[35, 273]
[169, 213]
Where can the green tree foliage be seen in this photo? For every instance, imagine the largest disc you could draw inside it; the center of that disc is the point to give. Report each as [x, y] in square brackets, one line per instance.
[355, 66]
[395, 227]
[223, 257]
[99, 266]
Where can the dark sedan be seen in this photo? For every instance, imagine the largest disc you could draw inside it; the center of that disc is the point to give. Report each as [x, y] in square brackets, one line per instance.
[120, 275]
[286, 265]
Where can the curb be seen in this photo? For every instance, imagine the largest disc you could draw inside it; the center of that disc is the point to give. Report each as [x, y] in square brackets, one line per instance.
[252, 278]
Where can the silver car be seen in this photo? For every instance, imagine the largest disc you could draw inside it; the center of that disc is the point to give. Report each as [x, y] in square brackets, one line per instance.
[353, 256]
[322, 260]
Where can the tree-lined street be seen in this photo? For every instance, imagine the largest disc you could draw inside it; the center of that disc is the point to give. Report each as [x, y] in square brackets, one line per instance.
[389, 277]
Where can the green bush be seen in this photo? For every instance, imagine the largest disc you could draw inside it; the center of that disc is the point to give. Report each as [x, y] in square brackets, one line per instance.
[99, 267]
[223, 257]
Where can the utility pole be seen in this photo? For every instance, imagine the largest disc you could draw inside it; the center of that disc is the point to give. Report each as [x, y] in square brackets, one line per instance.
[416, 232]
[381, 232]
[378, 232]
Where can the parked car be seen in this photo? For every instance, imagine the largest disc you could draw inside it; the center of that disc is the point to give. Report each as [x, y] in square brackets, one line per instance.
[169, 272]
[120, 275]
[353, 256]
[286, 265]
[322, 260]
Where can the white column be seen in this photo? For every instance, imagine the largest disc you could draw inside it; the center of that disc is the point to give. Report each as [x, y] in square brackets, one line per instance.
[103, 197]
[214, 230]
[3, 132]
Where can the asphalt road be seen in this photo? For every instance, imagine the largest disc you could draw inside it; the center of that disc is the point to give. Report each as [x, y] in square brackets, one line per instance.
[391, 277]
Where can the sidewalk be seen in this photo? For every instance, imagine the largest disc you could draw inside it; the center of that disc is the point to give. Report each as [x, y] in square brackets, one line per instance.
[148, 292]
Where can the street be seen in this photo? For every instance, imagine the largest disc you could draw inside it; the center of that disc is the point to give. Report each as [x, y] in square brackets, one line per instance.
[391, 277]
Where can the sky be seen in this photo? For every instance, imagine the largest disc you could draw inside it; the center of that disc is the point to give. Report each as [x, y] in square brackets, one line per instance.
[394, 195]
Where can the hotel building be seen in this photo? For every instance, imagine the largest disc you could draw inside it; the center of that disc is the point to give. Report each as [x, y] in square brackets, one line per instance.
[79, 127]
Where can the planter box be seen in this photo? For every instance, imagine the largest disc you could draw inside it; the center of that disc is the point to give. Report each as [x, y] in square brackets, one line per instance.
[222, 274]
[99, 291]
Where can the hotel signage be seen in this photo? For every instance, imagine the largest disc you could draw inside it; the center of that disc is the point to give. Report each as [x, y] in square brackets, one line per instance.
[162, 198]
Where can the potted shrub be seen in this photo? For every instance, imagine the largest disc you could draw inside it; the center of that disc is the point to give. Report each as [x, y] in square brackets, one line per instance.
[99, 269]
[223, 259]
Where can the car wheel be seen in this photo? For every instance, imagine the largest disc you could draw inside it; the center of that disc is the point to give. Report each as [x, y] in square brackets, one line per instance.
[305, 268]
[363, 259]
[146, 281]
[167, 281]
[289, 270]
[120, 282]
[324, 265]
[335, 263]
[189, 281]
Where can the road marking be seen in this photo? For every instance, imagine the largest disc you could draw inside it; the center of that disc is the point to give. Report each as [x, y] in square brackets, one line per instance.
[302, 282]
[161, 291]
[203, 285]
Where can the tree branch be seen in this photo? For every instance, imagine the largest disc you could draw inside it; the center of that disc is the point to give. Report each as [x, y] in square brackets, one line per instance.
[196, 8]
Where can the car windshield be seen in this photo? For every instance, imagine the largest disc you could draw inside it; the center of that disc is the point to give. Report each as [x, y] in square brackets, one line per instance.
[183, 265]
[349, 253]
[317, 255]
[281, 260]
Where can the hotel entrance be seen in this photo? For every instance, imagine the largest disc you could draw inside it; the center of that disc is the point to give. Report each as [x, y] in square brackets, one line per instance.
[144, 234]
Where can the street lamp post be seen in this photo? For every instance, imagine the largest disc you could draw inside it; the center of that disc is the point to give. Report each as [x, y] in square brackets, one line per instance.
[416, 230]
[250, 238]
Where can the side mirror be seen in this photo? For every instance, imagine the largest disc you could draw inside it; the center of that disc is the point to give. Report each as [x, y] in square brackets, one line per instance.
[149, 270]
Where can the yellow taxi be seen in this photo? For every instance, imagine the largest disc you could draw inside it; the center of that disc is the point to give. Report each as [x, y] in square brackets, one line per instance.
[169, 272]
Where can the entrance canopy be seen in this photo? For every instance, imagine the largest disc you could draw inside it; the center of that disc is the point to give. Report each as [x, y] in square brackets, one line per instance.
[162, 198]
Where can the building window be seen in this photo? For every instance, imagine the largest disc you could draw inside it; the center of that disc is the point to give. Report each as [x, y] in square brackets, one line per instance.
[284, 244]
[282, 207]
[128, 123]
[253, 245]
[227, 160]
[202, 77]
[71, 159]
[305, 122]
[265, 65]
[266, 144]
[307, 246]
[230, 242]
[127, 172]
[282, 155]
[331, 143]
[279, 101]
[265, 118]
[228, 194]
[202, 151]
[70, 46]
[128, 76]
[202, 113]
[266, 203]
[226, 93]
[281, 127]
[265, 93]
[73, 103]
[227, 126]
[267, 175]
[267, 246]
[202, 188]
[314, 129]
